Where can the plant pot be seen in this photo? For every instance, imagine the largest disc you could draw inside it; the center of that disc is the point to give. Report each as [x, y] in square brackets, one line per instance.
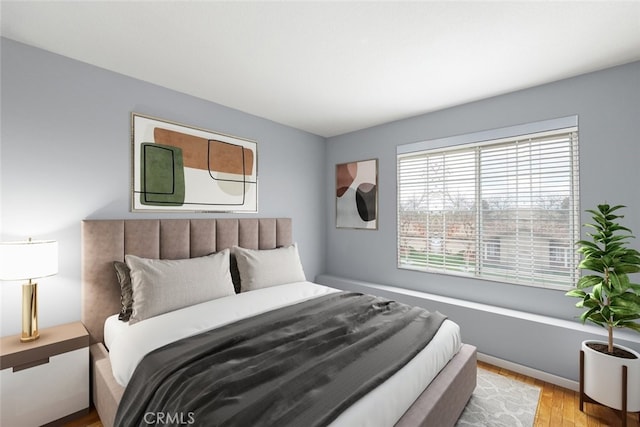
[603, 377]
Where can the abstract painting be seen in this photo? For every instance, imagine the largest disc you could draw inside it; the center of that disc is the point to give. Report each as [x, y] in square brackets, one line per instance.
[183, 168]
[357, 195]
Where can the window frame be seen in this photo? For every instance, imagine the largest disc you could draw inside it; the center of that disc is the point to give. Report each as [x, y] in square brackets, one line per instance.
[483, 251]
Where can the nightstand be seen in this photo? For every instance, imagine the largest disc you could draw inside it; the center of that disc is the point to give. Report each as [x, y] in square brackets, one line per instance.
[45, 381]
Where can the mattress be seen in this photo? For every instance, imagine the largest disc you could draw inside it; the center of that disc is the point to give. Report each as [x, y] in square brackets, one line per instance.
[383, 406]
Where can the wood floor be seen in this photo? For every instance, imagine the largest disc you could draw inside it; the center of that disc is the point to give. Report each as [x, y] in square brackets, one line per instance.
[557, 407]
[560, 407]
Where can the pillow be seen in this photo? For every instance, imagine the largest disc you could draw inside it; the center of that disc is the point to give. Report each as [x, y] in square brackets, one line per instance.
[163, 285]
[270, 267]
[126, 297]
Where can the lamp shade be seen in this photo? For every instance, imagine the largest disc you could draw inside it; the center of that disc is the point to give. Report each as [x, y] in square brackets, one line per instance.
[28, 260]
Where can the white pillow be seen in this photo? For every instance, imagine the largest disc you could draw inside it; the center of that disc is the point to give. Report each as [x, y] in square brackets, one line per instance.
[268, 267]
[163, 285]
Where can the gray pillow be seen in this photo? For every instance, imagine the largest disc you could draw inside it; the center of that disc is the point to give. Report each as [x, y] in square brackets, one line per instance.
[162, 285]
[126, 296]
[270, 267]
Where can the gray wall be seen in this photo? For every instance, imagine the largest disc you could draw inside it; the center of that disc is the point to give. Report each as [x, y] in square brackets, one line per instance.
[65, 156]
[608, 107]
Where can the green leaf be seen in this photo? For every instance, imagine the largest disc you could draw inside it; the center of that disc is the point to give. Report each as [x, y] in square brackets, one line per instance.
[597, 292]
[598, 318]
[590, 302]
[577, 293]
[622, 311]
[587, 244]
[588, 281]
[626, 268]
[615, 208]
[590, 252]
[594, 213]
[602, 221]
[588, 314]
[618, 227]
[620, 237]
[627, 299]
[615, 248]
[631, 317]
[634, 252]
[619, 282]
[592, 264]
[630, 258]
[598, 227]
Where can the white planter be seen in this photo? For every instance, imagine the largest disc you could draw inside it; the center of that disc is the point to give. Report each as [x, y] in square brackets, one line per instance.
[603, 377]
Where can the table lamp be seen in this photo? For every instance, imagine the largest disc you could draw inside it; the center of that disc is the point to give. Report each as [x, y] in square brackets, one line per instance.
[28, 261]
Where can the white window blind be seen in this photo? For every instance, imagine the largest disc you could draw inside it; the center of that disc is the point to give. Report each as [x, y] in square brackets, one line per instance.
[505, 209]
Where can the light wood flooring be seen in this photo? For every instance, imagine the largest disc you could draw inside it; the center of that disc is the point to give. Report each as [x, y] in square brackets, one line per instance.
[560, 407]
[557, 407]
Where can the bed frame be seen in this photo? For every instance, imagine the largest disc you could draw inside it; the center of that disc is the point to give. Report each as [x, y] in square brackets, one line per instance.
[105, 241]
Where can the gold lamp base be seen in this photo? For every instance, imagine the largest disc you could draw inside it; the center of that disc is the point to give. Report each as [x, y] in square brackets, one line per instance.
[29, 312]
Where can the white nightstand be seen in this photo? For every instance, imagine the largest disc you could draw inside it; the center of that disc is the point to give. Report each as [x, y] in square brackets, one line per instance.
[45, 381]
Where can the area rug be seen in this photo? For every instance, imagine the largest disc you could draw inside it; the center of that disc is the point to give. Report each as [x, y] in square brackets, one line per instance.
[500, 401]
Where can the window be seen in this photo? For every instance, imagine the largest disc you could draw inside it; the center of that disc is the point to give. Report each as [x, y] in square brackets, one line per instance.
[492, 251]
[559, 255]
[502, 205]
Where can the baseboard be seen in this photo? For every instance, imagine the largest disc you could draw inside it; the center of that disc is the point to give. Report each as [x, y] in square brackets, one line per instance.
[530, 372]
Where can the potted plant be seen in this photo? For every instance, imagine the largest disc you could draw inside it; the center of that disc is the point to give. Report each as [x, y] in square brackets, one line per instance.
[611, 301]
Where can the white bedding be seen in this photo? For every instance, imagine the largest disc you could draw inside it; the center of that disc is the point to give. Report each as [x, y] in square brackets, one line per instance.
[383, 406]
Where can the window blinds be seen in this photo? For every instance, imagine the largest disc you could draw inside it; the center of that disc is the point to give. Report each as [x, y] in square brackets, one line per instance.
[505, 209]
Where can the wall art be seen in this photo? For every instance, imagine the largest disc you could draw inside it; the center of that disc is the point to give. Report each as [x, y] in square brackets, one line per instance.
[357, 195]
[188, 169]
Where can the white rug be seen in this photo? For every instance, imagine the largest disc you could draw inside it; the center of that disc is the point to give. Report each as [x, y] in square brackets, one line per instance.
[500, 401]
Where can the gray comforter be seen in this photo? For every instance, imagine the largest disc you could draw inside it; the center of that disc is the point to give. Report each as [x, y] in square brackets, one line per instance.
[300, 365]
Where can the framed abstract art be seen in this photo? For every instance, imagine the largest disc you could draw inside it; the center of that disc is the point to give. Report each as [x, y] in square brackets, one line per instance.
[188, 169]
[357, 195]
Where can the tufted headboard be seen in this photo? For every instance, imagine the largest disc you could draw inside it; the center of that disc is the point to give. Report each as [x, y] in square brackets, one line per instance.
[105, 241]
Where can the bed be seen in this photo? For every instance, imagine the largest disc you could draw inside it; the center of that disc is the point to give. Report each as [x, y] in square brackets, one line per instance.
[105, 241]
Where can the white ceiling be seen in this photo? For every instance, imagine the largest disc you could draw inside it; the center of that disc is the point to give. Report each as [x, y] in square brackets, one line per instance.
[334, 67]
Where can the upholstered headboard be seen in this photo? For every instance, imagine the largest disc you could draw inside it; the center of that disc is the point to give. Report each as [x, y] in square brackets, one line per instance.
[105, 241]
